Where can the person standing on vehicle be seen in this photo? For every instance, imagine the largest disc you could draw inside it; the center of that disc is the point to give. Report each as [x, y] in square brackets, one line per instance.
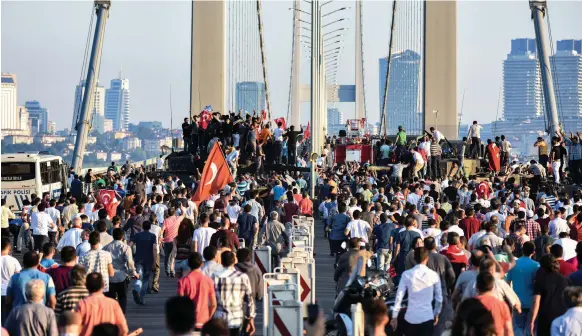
[423, 286]
[186, 133]
[475, 136]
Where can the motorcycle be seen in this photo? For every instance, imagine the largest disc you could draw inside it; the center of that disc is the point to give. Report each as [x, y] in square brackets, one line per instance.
[357, 290]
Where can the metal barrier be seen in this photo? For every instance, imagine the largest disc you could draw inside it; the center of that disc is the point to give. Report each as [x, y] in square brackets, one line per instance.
[262, 258]
[358, 323]
[272, 279]
[287, 318]
[241, 242]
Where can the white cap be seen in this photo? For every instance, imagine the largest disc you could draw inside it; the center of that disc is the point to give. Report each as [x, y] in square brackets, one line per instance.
[530, 214]
[210, 203]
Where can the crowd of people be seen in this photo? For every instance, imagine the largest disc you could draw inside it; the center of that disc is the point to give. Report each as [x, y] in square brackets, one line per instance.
[495, 256]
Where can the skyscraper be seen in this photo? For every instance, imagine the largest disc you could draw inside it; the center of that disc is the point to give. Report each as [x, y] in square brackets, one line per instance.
[117, 105]
[250, 96]
[334, 116]
[567, 75]
[9, 101]
[522, 84]
[38, 117]
[404, 103]
[97, 108]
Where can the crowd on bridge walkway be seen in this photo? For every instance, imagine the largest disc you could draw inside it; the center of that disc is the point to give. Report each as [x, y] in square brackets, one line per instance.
[469, 255]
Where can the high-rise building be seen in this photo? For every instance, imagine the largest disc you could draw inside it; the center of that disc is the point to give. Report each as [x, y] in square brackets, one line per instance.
[38, 117]
[522, 84]
[334, 116]
[24, 120]
[107, 125]
[250, 96]
[9, 102]
[567, 75]
[98, 104]
[52, 127]
[117, 105]
[404, 88]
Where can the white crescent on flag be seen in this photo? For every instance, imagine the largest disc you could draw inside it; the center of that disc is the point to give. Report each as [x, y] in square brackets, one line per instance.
[214, 172]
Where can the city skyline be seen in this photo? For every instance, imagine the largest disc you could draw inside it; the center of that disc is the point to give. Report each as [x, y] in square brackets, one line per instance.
[479, 43]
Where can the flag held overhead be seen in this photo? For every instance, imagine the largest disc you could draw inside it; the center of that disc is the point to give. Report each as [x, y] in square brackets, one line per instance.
[215, 175]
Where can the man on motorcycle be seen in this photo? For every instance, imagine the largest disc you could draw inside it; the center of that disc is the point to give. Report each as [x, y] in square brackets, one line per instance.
[347, 263]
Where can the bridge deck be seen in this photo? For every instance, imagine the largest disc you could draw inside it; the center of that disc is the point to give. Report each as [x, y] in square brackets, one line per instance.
[150, 317]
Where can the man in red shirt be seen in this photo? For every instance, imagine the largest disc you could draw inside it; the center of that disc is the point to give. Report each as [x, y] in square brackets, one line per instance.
[200, 289]
[565, 268]
[470, 225]
[306, 205]
[500, 312]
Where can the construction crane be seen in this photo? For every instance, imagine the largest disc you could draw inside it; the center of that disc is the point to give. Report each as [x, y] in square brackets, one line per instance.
[538, 13]
[84, 120]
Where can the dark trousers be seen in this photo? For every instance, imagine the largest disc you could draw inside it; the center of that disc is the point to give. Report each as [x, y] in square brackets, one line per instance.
[425, 328]
[52, 237]
[335, 247]
[475, 148]
[5, 232]
[194, 144]
[15, 231]
[292, 155]
[39, 241]
[167, 254]
[544, 160]
[118, 291]
[278, 148]
[234, 331]
[435, 167]
[155, 284]
[186, 143]
[576, 170]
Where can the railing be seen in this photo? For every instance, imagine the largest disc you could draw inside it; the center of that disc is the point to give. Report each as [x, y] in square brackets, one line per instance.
[149, 164]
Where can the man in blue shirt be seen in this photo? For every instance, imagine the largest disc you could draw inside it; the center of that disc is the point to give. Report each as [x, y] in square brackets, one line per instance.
[522, 278]
[248, 225]
[337, 236]
[15, 292]
[383, 233]
[278, 191]
[146, 251]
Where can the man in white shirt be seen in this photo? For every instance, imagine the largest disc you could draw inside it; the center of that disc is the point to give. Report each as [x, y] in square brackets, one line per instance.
[8, 266]
[159, 209]
[436, 134]
[40, 224]
[160, 164]
[568, 245]
[358, 228]
[505, 151]
[475, 135]
[423, 286]
[72, 237]
[558, 224]
[418, 162]
[202, 235]
[55, 215]
[278, 136]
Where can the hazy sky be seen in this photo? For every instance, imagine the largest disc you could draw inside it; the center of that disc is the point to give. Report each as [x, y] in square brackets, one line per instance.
[43, 43]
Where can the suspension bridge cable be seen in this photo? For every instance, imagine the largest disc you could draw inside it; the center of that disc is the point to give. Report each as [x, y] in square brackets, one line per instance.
[554, 69]
[383, 125]
[293, 63]
[83, 73]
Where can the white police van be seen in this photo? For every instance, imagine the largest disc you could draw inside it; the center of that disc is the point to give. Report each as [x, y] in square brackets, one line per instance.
[24, 174]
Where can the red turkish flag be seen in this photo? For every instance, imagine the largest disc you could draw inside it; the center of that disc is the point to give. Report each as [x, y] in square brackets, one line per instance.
[282, 121]
[215, 175]
[205, 118]
[263, 116]
[307, 133]
[109, 201]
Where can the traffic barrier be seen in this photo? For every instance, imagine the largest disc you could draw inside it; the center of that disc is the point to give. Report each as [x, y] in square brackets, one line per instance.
[306, 268]
[294, 273]
[262, 258]
[241, 242]
[358, 324]
[272, 279]
[287, 318]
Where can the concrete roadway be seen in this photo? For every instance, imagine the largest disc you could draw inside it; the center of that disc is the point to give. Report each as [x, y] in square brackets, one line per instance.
[150, 317]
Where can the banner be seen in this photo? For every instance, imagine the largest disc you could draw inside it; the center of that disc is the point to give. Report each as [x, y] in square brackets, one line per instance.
[109, 201]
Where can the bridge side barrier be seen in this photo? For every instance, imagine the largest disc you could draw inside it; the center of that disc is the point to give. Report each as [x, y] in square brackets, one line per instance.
[272, 279]
[358, 323]
[262, 258]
